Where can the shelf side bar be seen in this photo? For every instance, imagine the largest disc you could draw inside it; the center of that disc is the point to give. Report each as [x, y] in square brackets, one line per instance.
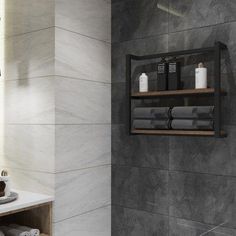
[128, 89]
[171, 54]
[217, 84]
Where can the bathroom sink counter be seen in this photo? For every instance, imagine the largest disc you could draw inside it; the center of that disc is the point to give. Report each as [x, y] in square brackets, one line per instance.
[26, 200]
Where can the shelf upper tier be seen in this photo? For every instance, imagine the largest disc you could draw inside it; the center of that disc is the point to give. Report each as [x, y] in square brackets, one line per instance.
[171, 93]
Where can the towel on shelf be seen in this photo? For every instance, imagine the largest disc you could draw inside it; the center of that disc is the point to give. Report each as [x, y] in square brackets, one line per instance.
[8, 231]
[192, 124]
[33, 232]
[193, 112]
[151, 124]
[151, 112]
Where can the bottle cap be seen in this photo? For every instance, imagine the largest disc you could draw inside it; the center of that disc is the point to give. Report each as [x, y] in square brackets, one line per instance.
[200, 65]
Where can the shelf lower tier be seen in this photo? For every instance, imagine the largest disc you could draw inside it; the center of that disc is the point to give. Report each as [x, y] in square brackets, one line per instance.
[177, 132]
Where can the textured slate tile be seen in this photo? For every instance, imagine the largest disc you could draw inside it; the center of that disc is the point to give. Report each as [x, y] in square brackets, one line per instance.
[131, 222]
[205, 37]
[139, 150]
[146, 46]
[182, 227]
[204, 155]
[204, 198]
[140, 188]
[185, 14]
[138, 18]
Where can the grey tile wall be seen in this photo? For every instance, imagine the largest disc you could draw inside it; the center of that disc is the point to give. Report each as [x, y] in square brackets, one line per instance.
[175, 186]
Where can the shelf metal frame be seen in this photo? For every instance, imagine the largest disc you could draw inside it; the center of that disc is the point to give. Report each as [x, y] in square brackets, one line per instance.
[216, 49]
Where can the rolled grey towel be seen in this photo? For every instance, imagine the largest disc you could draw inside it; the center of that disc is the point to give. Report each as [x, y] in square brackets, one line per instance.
[151, 124]
[194, 112]
[1, 233]
[33, 232]
[151, 112]
[8, 231]
[192, 124]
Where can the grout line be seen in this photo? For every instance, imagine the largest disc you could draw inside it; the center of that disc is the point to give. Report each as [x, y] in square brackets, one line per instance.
[84, 35]
[85, 168]
[28, 170]
[84, 213]
[21, 34]
[77, 78]
[177, 171]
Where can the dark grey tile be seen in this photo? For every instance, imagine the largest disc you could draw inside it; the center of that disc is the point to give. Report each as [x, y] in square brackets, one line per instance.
[205, 37]
[134, 19]
[140, 188]
[185, 14]
[129, 222]
[204, 198]
[182, 227]
[139, 150]
[204, 155]
[137, 47]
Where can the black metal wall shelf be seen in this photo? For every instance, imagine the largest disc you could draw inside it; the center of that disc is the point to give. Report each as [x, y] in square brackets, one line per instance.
[215, 92]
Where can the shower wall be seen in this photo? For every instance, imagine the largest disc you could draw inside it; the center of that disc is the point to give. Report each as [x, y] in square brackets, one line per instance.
[172, 185]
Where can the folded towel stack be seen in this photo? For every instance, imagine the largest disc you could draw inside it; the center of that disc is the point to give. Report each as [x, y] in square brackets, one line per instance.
[151, 118]
[18, 230]
[193, 118]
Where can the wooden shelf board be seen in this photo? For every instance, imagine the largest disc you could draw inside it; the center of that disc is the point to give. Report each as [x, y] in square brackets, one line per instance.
[176, 132]
[183, 92]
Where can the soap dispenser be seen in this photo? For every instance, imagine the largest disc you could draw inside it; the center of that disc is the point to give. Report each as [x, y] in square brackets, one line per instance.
[143, 83]
[162, 75]
[201, 77]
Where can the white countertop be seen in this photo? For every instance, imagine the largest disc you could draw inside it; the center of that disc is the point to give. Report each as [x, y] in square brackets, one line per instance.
[25, 199]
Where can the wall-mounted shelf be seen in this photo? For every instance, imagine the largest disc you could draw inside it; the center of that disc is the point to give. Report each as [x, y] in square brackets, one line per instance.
[216, 92]
[173, 93]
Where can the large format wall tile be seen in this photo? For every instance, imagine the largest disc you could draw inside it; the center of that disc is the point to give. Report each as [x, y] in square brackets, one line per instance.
[17, 15]
[185, 14]
[144, 46]
[27, 101]
[29, 55]
[93, 19]
[33, 181]
[138, 19]
[82, 57]
[28, 147]
[180, 227]
[82, 102]
[81, 191]
[204, 198]
[93, 223]
[205, 37]
[82, 146]
[130, 222]
[140, 188]
[141, 151]
[204, 155]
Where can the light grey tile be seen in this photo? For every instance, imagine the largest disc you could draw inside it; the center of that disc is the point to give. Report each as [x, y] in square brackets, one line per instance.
[30, 147]
[38, 182]
[27, 15]
[94, 223]
[81, 57]
[27, 101]
[88, 17]
[82, 146]
[81, 191]
[28, 55]
[82, 102]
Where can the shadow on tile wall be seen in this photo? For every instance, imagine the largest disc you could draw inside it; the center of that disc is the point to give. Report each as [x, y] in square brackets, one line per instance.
[173, 185]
